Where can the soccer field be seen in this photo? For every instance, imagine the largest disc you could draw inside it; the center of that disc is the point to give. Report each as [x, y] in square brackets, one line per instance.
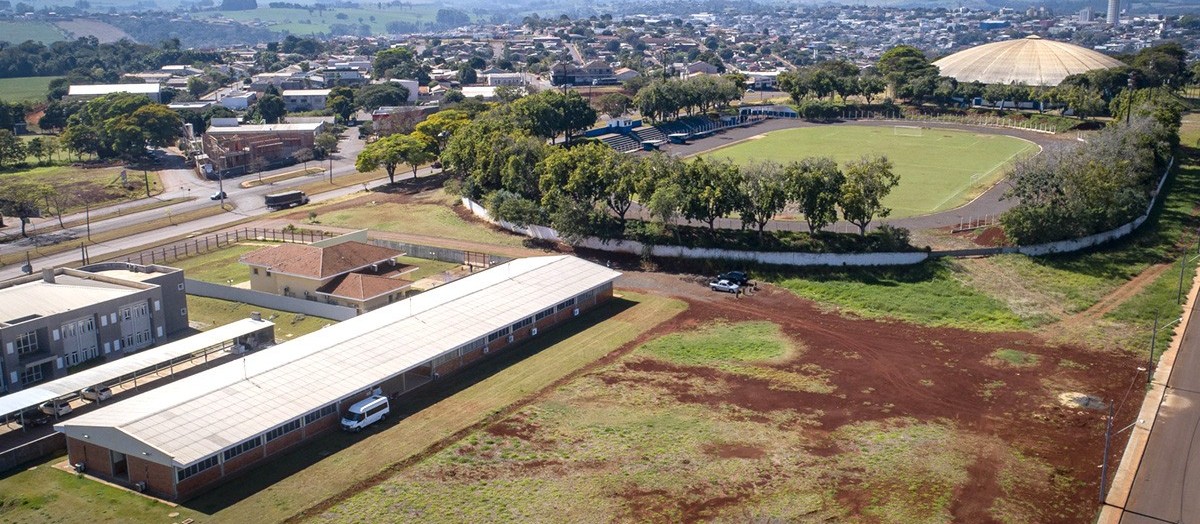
[940, 169]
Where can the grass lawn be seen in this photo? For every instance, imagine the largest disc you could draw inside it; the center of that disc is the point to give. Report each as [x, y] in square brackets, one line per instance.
[44, 494]
[207, 313]
[341, 463]
[220, 266]
[436, 220]
[940, 170]
[18, 32]
[101, 186]
[27, 88]
[931, 293]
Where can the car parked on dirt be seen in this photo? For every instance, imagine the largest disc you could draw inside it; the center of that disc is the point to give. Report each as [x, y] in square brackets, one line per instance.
[55, 407]
[724, 286]
[736, 277]
[95, 393]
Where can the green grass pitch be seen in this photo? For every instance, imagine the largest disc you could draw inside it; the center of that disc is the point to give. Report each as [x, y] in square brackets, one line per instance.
[939, 170]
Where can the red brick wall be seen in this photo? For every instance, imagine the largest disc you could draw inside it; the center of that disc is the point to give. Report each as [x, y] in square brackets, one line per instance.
[97, 458]
[197, 483]
[159, 479]
[284, 442]
[322, 424]
[240, 462]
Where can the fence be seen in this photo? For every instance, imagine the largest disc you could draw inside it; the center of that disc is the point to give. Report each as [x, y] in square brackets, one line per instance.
[268, 300]
[443, 254]
[969, 120]
[207, 243]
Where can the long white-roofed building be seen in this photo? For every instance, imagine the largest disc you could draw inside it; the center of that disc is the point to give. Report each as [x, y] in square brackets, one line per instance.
[187, 436]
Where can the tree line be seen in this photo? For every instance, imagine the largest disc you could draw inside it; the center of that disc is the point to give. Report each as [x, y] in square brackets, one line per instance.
[89, 58]
[667, 98]
[588, 189]
[1079, 189]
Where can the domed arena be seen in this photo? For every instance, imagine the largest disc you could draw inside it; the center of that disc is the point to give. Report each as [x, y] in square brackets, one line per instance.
[1031, 61]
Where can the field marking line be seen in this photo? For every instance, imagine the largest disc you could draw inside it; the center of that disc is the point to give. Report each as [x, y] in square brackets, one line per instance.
[987, 173]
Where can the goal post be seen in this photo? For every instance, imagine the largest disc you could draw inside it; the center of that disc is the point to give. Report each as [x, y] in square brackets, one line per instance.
[907, 131]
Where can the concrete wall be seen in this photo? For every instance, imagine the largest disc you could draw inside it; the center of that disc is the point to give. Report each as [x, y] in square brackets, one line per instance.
[267, 300]
[40, 448]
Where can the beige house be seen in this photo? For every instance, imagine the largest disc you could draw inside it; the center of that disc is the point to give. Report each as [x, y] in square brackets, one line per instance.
[352, 274]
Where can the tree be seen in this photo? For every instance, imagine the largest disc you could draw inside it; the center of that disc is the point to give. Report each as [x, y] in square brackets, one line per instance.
[197, 86]
[326, 143]
[159, 125]
[712, 190]
[903, 65]
[467, 75]
[21, 199]
[815, 185]
[614, 104]
[11, 148]
[868, 181]
[440, 126]
[271, 108]
[303, 156]
[391, 151]
[36, 148]
[388, 94]
[341, 102]
[764, 194]
[550, 113]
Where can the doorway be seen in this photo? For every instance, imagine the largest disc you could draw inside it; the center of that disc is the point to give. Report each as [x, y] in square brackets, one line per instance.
[119, 468]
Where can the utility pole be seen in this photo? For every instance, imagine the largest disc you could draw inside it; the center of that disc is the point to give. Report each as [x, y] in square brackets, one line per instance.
[146, 178]
[330, 167]
[87, 217]
[1150, 359]
[1107, 444]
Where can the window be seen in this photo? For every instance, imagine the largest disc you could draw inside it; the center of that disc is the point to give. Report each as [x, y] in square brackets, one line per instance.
[268, 273]
[544, 314]
[179, 286]
[243, 447]
[498, 334]
[320, 413]
[587, 296]
[255, 271]
[27, 343]
[196, 468]
[183, 312]
[522, 323]
[564, 304]
[31, 374]
[283, 430]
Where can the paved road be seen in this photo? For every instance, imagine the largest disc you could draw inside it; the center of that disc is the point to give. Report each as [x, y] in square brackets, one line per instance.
[248, 202]
[1167, 485]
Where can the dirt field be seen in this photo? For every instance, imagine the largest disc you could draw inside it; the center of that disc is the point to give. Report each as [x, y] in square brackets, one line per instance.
[829, 418]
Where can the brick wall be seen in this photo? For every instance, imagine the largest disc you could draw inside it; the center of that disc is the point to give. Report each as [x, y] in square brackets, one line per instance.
[97, 458]
[243, 461]
[284, 442]
[159, 479]
[197, 483]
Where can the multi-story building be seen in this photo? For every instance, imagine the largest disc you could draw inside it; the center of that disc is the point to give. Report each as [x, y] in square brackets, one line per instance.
[241, 149]
[305, 99]
[63, 318]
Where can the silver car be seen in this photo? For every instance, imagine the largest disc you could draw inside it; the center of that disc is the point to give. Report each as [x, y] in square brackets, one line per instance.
[95, 393]
[724, 286]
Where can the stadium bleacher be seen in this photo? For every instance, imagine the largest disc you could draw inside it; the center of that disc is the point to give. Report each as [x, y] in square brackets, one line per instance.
[621, 143]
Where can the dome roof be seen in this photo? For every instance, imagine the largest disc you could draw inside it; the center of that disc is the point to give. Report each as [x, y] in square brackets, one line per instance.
[1030, 60]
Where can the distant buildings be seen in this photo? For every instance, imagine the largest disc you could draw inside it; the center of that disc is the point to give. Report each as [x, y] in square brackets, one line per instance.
[305, 99]
[90, 91]
[1114, 11]
[596, 71]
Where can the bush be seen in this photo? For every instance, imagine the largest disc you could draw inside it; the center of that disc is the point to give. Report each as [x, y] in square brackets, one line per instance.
[886, 239]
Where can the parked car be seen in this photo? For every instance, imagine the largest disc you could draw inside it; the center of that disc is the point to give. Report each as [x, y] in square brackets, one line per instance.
[95, 394]
[33, 418]
[218, 196]
[55, 407]
[724, 286]
[737, 277]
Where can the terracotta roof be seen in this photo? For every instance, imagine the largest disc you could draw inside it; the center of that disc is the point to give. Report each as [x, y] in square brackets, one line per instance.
[319, 262]
[358, 286]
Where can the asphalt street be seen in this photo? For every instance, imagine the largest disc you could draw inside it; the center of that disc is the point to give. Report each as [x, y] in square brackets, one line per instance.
[1167, 485]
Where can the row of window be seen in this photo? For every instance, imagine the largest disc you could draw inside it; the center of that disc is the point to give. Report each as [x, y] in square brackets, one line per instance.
[243, 447]
[320, 413]
[565, 304]
[195, 468]
[522, 323]
[27, 343]
[503, 332]
[283, 430]
[543, 314]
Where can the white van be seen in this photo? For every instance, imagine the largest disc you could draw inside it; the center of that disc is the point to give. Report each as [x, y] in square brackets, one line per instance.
[366, 412]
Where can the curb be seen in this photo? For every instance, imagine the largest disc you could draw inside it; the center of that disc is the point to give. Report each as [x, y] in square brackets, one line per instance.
[1131, 460]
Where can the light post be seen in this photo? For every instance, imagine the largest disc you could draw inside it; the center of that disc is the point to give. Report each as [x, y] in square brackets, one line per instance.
[1153, 342]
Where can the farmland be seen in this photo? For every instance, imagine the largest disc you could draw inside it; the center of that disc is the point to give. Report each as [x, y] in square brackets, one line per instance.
[26, 88]
[303, 22]
[18, 32]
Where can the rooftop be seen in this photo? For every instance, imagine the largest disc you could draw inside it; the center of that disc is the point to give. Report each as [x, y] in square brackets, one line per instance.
[32, 296]
[319, 262]
[107, 89]
[200, 415]
[310, 127]
[306, 92]
[358, 286]
[1032, 61]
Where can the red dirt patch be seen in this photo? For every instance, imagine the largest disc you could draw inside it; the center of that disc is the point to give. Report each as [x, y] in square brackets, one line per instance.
[992, 237]
[903, 370]
[730, 450]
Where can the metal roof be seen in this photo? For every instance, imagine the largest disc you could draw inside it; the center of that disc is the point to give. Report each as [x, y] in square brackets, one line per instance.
[108, 89]
[265, 128]
[1032, 61]
[198, 416]
[125, 366]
